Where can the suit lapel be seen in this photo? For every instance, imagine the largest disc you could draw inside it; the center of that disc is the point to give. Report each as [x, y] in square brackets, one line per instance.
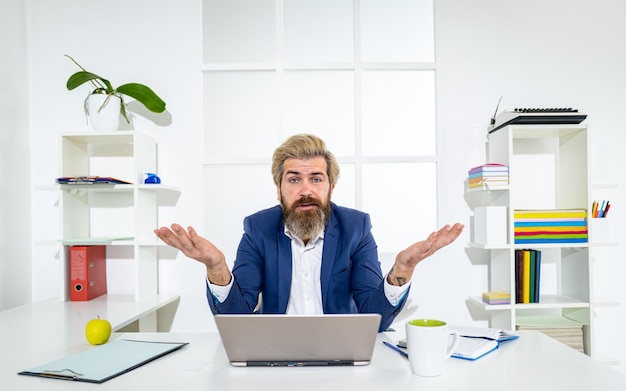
[284, 270]
[331, 240]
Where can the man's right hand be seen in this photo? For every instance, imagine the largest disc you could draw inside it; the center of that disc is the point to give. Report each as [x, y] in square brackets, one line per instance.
[198, 248]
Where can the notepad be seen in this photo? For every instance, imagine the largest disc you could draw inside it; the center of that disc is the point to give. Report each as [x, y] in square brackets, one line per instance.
[470, 348]
[475, 342]
[104, 362]
[485, 332]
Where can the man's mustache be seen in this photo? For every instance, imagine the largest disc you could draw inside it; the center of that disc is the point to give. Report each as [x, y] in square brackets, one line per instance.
[306, 200]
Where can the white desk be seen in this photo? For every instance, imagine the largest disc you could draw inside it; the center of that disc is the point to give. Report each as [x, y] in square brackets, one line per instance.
[533, 362]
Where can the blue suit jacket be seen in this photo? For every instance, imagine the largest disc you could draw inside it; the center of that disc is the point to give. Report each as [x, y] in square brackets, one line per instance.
[351, 277]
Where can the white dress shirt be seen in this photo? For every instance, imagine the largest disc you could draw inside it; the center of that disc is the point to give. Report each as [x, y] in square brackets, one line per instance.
[306, 291]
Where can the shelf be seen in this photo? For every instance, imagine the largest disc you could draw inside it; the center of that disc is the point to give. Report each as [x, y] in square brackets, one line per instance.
[478, 301]
[116, 215]
[483, 246]
[505, 246]
[605, 302]
[555, 159]
[544, 131]
[116, 137]
[547, 302]
[108, 241]
[167, 195]
[487, 188]
[551, 245]
[554, 301]
[604, 244]
[69, 317]
[96, 241]
[603, 186]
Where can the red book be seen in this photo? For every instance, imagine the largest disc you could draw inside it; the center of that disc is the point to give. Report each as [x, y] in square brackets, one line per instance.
[88, 273]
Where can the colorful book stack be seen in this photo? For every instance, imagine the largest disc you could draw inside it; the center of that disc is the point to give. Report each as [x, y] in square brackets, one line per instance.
[497, 297]
[527, 276]
[490, 175]
[550, 226]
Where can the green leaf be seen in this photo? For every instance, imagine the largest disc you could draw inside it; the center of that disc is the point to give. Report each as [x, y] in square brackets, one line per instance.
[144, 95]
[82, 77]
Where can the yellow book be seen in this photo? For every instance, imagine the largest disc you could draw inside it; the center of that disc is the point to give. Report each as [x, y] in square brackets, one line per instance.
[526, 278]
[550, 213]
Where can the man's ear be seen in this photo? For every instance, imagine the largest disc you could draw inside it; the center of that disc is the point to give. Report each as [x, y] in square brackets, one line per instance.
[278, 191]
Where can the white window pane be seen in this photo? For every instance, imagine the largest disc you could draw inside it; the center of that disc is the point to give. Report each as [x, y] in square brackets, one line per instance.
[398, 113]
[240, 115]
[318, 31]
[344, 193]
[239, 31]
[321, 103]
[398, 196]
[397, 30]
[232, 193]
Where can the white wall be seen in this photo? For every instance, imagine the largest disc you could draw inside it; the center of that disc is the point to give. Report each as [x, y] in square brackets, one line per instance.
[535, 53]
[15, 264]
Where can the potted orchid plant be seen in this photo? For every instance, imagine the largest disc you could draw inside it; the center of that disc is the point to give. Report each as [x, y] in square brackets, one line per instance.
[104, 97]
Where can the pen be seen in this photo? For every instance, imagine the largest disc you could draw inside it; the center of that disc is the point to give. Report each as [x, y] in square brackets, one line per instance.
[601, 209]
[594, 208]
[397, 349]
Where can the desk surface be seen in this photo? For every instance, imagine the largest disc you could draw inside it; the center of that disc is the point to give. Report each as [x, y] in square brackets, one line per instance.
[533, 362]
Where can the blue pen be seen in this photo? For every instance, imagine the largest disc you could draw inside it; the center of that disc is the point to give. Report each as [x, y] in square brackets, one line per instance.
[601, 212]
[397, 349]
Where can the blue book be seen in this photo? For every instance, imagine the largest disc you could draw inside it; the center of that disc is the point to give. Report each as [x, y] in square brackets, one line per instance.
[537, 274]
[540, 241]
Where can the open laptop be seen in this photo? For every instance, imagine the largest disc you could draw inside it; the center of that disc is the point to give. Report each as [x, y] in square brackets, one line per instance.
[298, 340]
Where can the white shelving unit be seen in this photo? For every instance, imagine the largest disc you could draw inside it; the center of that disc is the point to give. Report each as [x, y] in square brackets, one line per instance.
[113, 215]
[548, 169]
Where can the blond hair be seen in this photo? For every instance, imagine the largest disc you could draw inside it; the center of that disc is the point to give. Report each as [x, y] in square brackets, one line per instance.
[304, 146]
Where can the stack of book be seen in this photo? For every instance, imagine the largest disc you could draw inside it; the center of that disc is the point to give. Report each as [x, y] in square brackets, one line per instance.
[527, 276]
[550, 226]
[563, 330]
[490, 175]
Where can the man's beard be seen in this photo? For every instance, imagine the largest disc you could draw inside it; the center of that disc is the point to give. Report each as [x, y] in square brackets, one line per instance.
[306, 224]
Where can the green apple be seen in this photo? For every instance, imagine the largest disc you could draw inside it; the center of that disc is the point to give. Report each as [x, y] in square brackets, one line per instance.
[98, 331]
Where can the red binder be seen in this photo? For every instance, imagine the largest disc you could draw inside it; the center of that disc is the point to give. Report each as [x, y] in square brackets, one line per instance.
[88, 273]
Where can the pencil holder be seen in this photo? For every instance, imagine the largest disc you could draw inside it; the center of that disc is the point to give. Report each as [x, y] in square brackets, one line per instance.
[600, 230]
[490, 225]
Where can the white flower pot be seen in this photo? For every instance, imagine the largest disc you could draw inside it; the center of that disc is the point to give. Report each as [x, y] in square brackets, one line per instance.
[104, 116]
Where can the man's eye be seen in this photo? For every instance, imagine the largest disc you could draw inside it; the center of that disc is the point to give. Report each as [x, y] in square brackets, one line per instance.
[317, 180]
[293, 180]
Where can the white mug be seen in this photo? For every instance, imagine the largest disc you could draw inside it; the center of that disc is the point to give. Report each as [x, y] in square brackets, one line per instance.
[429, 346]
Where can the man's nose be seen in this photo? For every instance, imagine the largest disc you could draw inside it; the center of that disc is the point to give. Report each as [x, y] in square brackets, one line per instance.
[305, 190]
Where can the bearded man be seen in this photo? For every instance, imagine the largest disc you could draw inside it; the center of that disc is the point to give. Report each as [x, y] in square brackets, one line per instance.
[306, 255]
